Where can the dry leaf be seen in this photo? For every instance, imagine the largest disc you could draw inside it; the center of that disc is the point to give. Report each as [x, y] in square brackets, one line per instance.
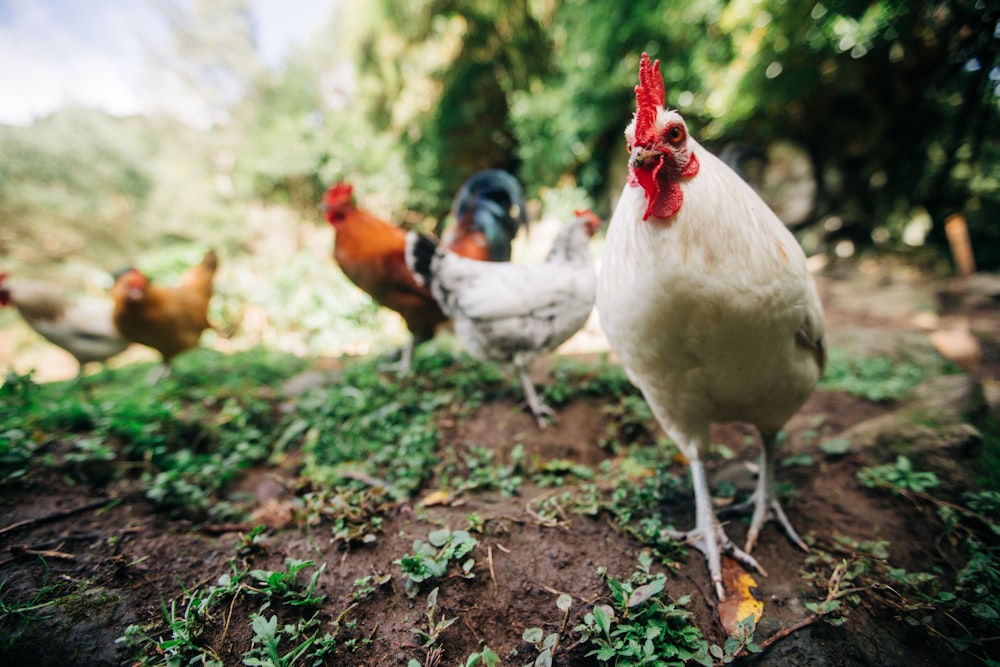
[742, 596]
[436, 498]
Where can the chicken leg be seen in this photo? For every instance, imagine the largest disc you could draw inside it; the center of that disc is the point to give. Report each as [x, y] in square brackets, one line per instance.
[542, 412]
[764, 501]
[708, 535]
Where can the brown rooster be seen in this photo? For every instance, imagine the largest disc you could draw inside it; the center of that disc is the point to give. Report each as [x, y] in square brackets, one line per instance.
[168, 319]
[370, 251]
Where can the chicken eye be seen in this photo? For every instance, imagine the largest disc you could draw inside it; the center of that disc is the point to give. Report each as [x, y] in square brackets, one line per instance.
[675, 135]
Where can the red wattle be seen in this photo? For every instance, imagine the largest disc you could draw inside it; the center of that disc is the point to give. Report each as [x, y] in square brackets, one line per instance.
[663, 196]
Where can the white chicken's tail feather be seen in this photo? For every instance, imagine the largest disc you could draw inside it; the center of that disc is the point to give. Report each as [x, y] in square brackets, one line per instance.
[422, 257]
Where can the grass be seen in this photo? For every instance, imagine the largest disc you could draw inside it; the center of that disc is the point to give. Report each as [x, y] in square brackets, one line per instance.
[367, 441]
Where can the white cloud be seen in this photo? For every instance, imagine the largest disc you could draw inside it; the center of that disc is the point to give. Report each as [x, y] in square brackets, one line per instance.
[52, 54]
[95, 52]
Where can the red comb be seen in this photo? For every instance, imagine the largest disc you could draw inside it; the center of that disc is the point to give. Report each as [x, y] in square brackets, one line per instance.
[649, 96]
[341, 192]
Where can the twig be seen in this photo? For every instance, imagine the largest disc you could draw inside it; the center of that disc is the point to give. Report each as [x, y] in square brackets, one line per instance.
[474, 633]
[61, 514]
[229, 617]
[493, 575]
[25, 550]
[833, 592]
[784, 632]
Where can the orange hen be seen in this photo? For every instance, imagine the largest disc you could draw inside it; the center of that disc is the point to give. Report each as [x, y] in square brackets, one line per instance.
[168, 319]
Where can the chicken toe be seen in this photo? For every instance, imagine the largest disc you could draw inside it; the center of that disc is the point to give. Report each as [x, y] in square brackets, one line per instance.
[708, 535]
[764, 501]
[543, 413]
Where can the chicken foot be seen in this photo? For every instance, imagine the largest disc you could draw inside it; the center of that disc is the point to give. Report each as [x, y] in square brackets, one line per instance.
[708, 535]
[542, 412]
[765, 503]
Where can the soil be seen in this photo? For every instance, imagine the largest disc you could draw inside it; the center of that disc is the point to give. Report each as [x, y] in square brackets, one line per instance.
[127, 560]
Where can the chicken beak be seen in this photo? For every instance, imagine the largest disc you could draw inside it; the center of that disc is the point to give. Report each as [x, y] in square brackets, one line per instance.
[642, 156]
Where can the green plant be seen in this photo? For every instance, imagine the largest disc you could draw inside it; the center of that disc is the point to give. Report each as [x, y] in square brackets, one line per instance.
[547, 644]
[14, 615]
[486, 656]
[898, 475]
[429, 637]
[431, 559]
[873, 378]
[641, 626]
[285, 586]
[477, 470]
[305, 637]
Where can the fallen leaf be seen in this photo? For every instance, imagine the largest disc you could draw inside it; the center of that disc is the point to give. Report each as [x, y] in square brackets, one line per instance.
[742, 596]
[436, 498]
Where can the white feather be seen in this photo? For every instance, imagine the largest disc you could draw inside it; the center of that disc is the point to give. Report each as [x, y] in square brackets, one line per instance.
[705, 310]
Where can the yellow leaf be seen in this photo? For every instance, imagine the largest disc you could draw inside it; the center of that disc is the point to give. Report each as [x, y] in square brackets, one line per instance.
[743, 598]
[436, 498]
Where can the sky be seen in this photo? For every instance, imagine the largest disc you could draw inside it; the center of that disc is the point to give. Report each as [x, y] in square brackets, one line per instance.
[93, 52]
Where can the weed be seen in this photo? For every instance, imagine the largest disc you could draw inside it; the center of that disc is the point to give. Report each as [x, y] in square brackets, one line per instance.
[431, 559]
[547, 644]
[14, 615]
[640, 626]
[477, 470]
[876, 379]
[305, 637]
[285, 587]
[487, 657]
[302, 641]
[899, 475]
[428, 638]
[366, 586]
[556, 472]
[355, 514]
[190, 435]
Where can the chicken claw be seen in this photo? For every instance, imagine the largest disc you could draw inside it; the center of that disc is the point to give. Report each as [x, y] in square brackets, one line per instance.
[713, 550]
[765, 503]
[708, 535]
[543, 413]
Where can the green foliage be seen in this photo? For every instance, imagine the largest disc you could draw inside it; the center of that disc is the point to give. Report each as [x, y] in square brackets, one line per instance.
[547, 644]
[428, 638]
[302, 641]
[193, 432]
[898, 475]
[411, 98]
[286, 587]
[372, 427]
[959, 608]
[431, 559]
[641, 626]
[876, 378]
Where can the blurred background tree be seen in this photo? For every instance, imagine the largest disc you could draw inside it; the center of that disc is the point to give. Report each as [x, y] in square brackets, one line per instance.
[891, 105]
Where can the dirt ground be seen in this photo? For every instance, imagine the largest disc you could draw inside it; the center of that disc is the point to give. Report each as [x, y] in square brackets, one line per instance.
[128, 559]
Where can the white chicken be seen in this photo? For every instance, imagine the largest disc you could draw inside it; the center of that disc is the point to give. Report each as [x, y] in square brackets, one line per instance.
[705, 297]
[513, 312]
[83, 328]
